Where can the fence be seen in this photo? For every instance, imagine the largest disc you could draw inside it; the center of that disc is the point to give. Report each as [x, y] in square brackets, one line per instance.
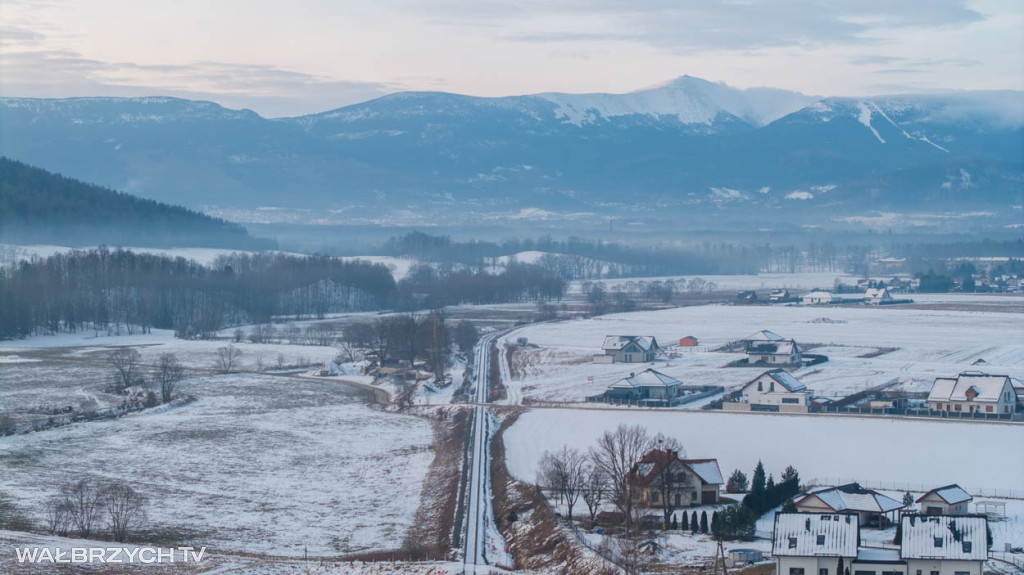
[1010, 558]
[916, 487]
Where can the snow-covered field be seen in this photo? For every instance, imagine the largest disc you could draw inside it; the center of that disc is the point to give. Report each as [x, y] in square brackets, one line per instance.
[259, 463]
[975, 455]
[928, 343]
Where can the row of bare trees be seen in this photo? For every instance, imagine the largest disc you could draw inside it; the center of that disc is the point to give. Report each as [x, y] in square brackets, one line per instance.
[84, 506]
[605, 473]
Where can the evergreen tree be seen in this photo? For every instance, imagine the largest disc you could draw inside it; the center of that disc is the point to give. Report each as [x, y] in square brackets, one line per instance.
[685, 526]
[755, 499]
[737, 482]
[694, 523]
[715, 523]
[703, 521]
[898, 539]
[789, 506]
[790, 474]
[908, 499]
[675, 523]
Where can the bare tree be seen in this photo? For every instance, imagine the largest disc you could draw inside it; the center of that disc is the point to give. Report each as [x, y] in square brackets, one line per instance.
[565, 473]
[227, 358]
[57, 516]
[84, 502]
[169, 372]
[594, 487]
[381, 339]
[615, 454]
[125, 508]
[126, 363]
[671, 477]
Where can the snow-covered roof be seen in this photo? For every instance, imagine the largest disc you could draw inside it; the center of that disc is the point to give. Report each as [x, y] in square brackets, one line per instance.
[783, 378]
[985, 388]
[646, 378]
[853, 497]
[706, 469]
[876, 292]
[617, 342]
[783, 347]
[951, 494]
[961, 537]
[765, 335]
[815, 535]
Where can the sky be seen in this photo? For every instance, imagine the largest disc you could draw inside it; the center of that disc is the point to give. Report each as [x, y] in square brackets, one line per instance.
[306, 56]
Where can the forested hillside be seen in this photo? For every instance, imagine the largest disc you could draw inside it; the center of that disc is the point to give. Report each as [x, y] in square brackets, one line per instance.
[40, 207]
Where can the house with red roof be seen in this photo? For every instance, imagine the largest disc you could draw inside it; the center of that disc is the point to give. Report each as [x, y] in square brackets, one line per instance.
[691, 482]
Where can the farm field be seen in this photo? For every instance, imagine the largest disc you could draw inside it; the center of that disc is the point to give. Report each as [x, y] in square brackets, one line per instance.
[866, 346]
[259, 463]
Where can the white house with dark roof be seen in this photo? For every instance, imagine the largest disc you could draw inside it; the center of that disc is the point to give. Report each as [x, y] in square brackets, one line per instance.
[775, 387]
[871, 507]
[816, 298]
[973, 392]
[815, 543]
[630, 348]
[947, 500]
[769, 348]
[944, 544]
[693, 481]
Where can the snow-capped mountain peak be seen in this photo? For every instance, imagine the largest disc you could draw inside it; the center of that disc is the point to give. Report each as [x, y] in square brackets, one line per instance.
[689, 100]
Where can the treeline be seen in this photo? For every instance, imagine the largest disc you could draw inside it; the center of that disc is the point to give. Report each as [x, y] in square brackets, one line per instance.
[576, 258]
[37, 206]
[430, 287]
[122, 291]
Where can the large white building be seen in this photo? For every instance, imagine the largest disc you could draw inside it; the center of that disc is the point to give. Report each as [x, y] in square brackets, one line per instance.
[829, 544]
[973, 392]
[944, 544]
[814, 543]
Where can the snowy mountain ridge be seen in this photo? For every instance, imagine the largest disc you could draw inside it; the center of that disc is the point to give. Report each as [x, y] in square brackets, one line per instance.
[687, 99]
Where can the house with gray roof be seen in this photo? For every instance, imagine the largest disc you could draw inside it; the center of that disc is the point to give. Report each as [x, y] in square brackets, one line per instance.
[871, 507]
[946, 500]
[775, 389]
[645, 386]
[630, 348]
[769, 348]
[973, 392]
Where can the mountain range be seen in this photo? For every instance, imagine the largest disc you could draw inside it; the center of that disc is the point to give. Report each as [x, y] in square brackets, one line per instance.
[684, 147]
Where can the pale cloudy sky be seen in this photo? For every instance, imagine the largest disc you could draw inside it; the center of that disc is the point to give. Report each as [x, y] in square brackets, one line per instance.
[303, 56]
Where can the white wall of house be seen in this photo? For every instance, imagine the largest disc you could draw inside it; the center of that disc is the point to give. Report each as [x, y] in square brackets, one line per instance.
[810, 565]
[1006, 404]
[935, 505]
[766, 391]
[943, 567]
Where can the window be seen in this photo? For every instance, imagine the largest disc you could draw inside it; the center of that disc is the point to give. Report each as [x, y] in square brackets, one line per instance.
[760, 386]
[771, 386]
[790, 400]
[967, 546]
[654, 497]
[938, 542]
[956, 407]
[792, 545]
[918, 572]
[863, 573]
[988, 408]
[796, 571]
[693, 496]
[961, 573]
[934, 573]
[822, 571]
[821, 540]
